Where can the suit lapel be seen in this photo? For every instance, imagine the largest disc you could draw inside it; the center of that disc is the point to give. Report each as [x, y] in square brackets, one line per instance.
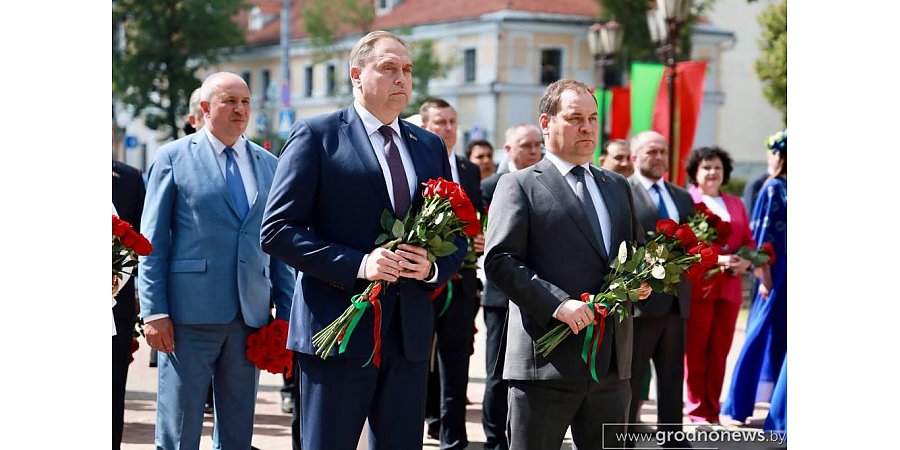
[203, 149]
[685, 207]
[418, 155]
[262, 191]
[550, 177]
[355, 132]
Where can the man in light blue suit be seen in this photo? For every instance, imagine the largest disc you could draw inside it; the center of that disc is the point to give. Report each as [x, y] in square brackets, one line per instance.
[208, 285]
[338, 173]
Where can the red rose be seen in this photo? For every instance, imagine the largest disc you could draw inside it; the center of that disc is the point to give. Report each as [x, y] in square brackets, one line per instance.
[686, 236]
[701, 208]
[443, 188]
[770, 250]
[429, 188]
[712, 219]
[709, 256]
[473, 229]
[142, 246]
[130, 238]
[666, 227]
[695, 250]
[119, 226]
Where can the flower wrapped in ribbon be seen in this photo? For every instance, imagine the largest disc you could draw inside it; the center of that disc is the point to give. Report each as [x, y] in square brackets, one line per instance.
[267, 348]
[127, 245]
[673, 251]
[446, 213]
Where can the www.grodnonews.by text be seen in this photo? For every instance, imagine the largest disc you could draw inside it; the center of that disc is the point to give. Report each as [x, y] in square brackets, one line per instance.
[701, 433]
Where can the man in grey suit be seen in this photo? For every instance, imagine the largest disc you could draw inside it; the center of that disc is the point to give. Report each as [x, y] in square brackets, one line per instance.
[552, 228]
[659, 322]
[208, 285]
[523, 148]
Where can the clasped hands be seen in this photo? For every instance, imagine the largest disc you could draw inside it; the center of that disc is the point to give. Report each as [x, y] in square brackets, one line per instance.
[578, 314]
[408, 261]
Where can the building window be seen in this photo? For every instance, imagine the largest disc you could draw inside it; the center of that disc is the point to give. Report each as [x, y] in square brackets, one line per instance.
[266, 81]
[469, 65]
[247, 78]
[330, 80]
[551, 64]
[308, 89]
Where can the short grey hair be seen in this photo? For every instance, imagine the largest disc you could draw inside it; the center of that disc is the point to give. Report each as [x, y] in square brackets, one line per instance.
[194, 104]
[362, 51]
[511, 131]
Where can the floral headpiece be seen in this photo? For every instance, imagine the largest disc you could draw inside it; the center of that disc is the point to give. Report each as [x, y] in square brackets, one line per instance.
[777, 143]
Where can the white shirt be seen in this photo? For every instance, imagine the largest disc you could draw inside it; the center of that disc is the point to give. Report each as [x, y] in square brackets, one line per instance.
[565, 168]
[667, 198]
[372, 125]
[717, 205]
[241, 157]
[454, 169]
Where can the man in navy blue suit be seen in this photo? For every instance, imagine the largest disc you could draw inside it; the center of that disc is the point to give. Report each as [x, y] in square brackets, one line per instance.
[208, 285]
[336, 176]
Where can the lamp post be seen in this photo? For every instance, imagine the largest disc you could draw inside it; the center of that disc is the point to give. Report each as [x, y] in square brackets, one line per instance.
[665, 19]
[605, 41]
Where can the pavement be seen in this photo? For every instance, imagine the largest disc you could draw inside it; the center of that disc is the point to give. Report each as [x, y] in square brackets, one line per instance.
[272, 428]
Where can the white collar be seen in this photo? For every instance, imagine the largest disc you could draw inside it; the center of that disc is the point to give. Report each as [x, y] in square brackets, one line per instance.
[565, 167]
[372, 123]
[240, 145]
[648, 183]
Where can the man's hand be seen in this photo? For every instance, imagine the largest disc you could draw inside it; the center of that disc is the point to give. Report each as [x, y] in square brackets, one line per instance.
[576, 314]
[738, 265]
[160, 335]
[414, 262]
[644, 291]
[478, 243]
[383, 264]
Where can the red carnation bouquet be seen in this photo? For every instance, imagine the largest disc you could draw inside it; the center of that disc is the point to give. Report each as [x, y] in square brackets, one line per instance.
[446, 213]
[673, 251]
[127, 244]
[267, 348]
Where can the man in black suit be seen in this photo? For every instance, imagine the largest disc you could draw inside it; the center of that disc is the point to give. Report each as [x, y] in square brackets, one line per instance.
[659, 323]
[523, 149]
[128, 198]
[456, 305]
[552, 229]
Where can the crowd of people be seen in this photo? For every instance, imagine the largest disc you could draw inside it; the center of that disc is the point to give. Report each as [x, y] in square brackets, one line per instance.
[238, 232]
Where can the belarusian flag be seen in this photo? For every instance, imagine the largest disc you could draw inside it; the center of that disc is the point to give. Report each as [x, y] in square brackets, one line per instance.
[650, 105]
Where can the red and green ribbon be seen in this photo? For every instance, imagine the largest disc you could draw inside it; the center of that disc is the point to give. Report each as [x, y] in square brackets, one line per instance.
[593, 340]
[448, 286]
[361, 302]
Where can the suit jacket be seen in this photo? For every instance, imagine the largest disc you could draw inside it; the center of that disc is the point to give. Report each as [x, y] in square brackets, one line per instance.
[541, 250]
[491, 296]
[659, 304]
[207, 263]
[128, 197]
[323, 216]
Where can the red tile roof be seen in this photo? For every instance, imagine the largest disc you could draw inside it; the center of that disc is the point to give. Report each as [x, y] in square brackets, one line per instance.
[414, 12]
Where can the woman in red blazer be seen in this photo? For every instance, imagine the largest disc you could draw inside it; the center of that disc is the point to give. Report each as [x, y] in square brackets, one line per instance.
[716, 301]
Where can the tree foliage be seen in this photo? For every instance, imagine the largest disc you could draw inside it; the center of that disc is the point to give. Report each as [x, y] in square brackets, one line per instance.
[771, 67]
[426, 65]
[165, 43]
[632, 14]
[325, 20]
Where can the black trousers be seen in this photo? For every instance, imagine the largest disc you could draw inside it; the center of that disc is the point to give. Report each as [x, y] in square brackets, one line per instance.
[494, 406]
[661, 339]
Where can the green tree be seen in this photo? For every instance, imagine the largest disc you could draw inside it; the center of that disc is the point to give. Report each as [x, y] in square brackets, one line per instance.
[426, 65]
[771, 67]
[325, 20]
[165, 43]
[632, 14]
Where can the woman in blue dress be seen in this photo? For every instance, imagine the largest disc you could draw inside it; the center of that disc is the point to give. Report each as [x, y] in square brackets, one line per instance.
[760, 373]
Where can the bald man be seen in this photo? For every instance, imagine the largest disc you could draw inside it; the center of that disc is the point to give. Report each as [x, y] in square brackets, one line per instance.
[207, 285]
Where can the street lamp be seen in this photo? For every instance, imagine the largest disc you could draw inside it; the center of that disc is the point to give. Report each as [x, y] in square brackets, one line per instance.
[664, 20]
[605, 41]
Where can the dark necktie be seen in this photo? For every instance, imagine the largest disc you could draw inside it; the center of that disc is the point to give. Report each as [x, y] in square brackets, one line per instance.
[585, 197]
[235, 184]
[398, 173]
[661, 204]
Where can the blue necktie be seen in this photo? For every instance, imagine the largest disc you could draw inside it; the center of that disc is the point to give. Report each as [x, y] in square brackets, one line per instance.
[661, 204]
[398, 174]
[235, 184]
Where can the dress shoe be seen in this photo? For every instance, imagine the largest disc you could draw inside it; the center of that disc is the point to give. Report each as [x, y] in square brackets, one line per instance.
[434, 431]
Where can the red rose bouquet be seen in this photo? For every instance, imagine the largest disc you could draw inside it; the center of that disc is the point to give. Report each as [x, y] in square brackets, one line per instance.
[127, 244]
[446, 213]
[673, 251]
[708, 226]
[267, 348]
